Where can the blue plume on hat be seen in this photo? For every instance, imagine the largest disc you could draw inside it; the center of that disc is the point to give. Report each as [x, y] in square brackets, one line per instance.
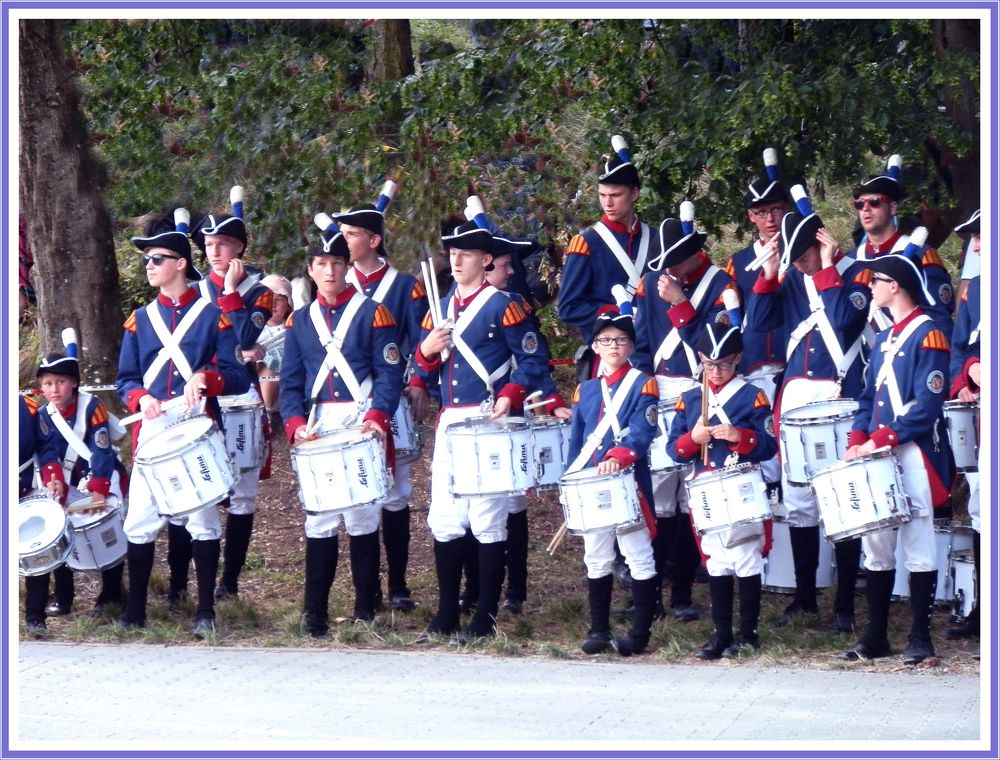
[475, 212]
[620, 147]
[687, 217]
[236, 200]
[915, 245]
[182, 220]
[386, 196]
[771, 164]
[623, 299]
[895, 167]
[325, 223]
[801, 198]
[69, 341]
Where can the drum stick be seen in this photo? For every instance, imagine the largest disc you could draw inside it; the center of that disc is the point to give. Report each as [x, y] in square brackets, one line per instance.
[537, 404]
[94, 503]
[758, 262]
[704, 415]
[312, 417]
[171, 404]
[557, 539]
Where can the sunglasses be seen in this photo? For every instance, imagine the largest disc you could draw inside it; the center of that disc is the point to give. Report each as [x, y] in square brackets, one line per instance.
[158, 259]
[621, 340]
[876, 278]
[860, 203]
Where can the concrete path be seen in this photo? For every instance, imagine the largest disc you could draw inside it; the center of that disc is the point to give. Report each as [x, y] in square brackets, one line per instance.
[122, 696]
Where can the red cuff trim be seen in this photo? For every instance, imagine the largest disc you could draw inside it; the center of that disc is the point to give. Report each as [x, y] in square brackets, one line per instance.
[857, 438]
[826, 279]
[686, 447]
[427, 365]
[416, 382]
[292, 425]
[764, 285]
[99, 485]
[965, 373]
[378, 416]
[625, 457]
[516, 394]
[681, 314]
[556, 402]
[746, 444]
[956, 385]
[231, 302]
[885, 437]
[215, 384]
[52, 471]
[132, 399]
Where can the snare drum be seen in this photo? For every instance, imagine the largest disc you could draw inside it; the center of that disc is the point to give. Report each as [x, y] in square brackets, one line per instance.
[946, 542]
[779, 566]
[340, 471]
[861, 496]
[727, 498]
[44, 535]
[244, 426]
[963, 433]
[550, 445]
[814, 436]
[594, 503]
[490, 457]
[659, 460]
[99, 541]
[406, 435]
[962, 572]
[186, 467]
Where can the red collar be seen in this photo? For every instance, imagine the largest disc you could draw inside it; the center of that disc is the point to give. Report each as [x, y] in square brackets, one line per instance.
[618, 374]
[694, 276]
[716, 388]
[898, 328]
[186, 297]
[70, 410]
[621, 229]
[371, 279]
[884, 247]
[343, 297]
[461, 303]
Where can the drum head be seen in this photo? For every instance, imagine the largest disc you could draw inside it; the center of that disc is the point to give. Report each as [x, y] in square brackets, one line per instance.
[817, 411]
[332, 440]
[175, 437]
[40, 522]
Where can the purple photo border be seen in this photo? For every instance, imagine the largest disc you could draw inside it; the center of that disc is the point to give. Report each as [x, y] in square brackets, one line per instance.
[5, 361]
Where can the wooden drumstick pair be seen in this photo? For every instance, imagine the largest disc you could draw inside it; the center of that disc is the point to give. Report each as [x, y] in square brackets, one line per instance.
[164, 406]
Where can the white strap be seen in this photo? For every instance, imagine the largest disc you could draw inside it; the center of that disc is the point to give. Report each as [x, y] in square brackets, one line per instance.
[383, 287]
[673, 338]
[76, 448]
[887, 375]
[632, 269]
[974, 335]
[171, 342]
[461, 323]
[716, 402]
[605, 423]
[333, 342]
[616, 427]
[243, 288]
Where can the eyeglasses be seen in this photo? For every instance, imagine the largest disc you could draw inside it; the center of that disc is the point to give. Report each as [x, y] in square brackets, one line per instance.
[621, 340]
[724, 366]
[860, 203]
[763, 213]
[876, 278]
[158, 259]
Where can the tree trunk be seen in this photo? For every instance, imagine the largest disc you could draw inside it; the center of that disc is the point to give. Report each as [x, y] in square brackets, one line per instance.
[61, 184]
[390, 55]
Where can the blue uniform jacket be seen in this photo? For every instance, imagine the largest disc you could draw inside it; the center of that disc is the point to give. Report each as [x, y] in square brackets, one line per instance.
[964, 344]
[28, 440]
[97, 437]
[759, 346]
[248, 313]
[406, 300]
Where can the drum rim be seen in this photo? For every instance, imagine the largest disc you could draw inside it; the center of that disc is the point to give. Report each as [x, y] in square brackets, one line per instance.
[502, 424]
[314, 444]
[158, 457]
[577, 477]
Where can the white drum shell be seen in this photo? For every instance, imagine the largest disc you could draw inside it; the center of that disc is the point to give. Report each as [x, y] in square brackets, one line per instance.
[727, 498]
[659, 460]
[186, 467]
[99, 541]
[814, 436]
[861, 496]
[45, 536]
[963, 433]
[244, 426]
[594, 503]
[949, 538]
[550, 447]
[490, 457]
[962, 574]
[779, 567]
[340, 471]
[405, 433]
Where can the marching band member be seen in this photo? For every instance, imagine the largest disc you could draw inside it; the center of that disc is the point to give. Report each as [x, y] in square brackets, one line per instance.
[738, 429]
[404, 296]
[823, 303]
[248, 304]
[484, 357]
[75, 453]
[179, 345]
[271, 339]
[672, 309]
[902, 407]
[965, 375]
[28, 440]
[613, 251]
[614, 421]
[341, 355]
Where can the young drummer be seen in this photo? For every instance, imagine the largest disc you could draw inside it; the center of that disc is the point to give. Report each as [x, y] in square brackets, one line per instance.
[901, 407]
[738, 429]
[341, 356]
[613, 423]
[179, 345]
[484, 358]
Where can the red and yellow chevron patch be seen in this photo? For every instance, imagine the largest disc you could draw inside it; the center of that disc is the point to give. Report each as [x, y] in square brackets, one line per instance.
[578, 245]
[383, 318]
[224, 323]
[932, 258]
[100, 415]
[418, 292]
[651, 388]
[576, 395]
[513, 315]
[936, 341]
[130, 322]
[761, 400]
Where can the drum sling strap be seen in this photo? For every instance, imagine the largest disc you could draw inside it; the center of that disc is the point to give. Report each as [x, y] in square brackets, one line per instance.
[632, 269]
[716, 402]
[461, 323]
[333, 342]
[243, 288]
[171, 342]
[73, 436]
[818, 320]
[609, 421]
[383, 287]
[673, 338]
[887, 376]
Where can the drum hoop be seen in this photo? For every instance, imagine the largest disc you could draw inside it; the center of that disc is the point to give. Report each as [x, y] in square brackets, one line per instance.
[577, 477]
[319, 446]
[173, 454]
[240, 408]
[481, 425]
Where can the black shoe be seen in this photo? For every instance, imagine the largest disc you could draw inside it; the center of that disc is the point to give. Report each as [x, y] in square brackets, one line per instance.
[596, 642]
[466, 606]
[311, 624]
[865, 651]
[917, 651]
[203, 627]
[685, 613]
[363, 615]
[223, 594]
[842, 623]
[36, 627]
[480, 627]
[442, 625]
[175, 598]
[104, 609]
[742, 645]
[58, 609]
[792, 611]
[967, 629]
[629, 645]
[714, 648]
[129, 622]
[401, 603]
[513, 606]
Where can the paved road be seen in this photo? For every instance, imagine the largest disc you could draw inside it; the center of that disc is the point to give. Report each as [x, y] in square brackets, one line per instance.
[192, 697]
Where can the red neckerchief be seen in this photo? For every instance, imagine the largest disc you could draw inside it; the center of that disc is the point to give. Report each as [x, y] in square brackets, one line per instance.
[342, 297]
[621, 229]
[461, 303]
[69, 411]
[693, 277]
[370, 279]
[716, 388]
[186, 297]
[617, 375]
[884, 247]
[898, 328]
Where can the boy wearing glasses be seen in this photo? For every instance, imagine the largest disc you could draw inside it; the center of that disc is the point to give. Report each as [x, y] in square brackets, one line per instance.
[902, 407]
[672, 309]
[613, 423]
[179, 345]
[737, 429]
